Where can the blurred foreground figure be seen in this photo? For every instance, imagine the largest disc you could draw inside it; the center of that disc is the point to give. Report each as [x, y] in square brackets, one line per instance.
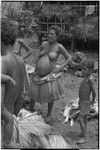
[13, 68]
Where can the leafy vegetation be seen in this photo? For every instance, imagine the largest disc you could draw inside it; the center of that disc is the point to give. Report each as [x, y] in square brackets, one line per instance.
[87, 29]
[25, 13]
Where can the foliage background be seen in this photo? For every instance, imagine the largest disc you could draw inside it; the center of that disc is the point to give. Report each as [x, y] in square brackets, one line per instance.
[81, 26]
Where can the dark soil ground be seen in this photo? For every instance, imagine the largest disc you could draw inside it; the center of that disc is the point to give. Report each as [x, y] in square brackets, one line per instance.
[70, 84]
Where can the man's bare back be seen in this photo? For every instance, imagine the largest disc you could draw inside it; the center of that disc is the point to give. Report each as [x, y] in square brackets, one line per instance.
[13, 66]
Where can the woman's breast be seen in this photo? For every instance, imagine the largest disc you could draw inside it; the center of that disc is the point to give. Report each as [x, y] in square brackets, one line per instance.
[53, 55]
[44, 66]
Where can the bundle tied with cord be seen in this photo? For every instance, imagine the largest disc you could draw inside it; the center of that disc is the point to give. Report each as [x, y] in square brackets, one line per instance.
[30, 131]
[27, 123]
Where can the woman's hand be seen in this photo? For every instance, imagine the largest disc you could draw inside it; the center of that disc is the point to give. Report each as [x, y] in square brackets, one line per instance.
[92, 103]
[13, 82]
[7, 79]
[20, 41]
[24, 45]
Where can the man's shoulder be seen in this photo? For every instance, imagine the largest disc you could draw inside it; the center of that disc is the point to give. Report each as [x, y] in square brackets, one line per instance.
[91, 80]
[14, 60]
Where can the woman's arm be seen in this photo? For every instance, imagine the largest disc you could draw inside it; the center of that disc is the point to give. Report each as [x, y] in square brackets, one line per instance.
[42, 52]
[64, 52]
[43, 48]
[24, 45]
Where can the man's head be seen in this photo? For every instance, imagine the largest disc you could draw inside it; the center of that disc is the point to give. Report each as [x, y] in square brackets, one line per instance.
[26, 105]
[9, 31]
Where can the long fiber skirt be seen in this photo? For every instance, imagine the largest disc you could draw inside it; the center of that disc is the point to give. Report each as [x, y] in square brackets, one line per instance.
[47, 91]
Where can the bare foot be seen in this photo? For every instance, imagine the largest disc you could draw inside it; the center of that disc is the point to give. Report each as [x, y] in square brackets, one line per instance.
[81, 141]
[47, 119]
[80, 135]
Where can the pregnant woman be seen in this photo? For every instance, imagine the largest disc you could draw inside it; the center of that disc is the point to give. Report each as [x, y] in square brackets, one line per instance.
[44, 84]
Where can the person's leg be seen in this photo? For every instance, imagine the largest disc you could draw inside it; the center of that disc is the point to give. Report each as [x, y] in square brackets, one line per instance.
[8, 131]
[50, 107]
[32, 104]
[18, 105]
[8, 120]
[5, 114]
[82, 125]
[48, 116]
[85, 121]
[83, 129]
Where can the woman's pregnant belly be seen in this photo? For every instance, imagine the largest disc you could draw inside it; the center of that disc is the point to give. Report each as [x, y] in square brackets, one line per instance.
[44, 66]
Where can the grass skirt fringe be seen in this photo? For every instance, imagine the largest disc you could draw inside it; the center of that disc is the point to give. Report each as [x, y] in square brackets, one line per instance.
[46, 91]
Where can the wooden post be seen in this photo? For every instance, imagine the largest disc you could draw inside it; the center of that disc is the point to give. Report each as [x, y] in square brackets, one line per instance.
[55, 20]
[72, 40]
[72, 44]
[47, 24]
[61, 23]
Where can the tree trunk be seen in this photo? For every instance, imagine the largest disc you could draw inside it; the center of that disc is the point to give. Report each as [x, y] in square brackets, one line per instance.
[72, 45]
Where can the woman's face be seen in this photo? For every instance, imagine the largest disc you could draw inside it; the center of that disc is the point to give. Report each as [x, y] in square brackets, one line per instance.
[52, 35]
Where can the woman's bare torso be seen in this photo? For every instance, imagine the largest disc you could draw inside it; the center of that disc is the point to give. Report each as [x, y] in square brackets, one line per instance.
[48, 60]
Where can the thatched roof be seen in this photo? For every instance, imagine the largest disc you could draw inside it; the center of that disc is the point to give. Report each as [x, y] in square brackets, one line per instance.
[60, 11]
[88, 29]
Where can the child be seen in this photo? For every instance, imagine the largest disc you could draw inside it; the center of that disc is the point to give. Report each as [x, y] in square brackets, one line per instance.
[85, 90]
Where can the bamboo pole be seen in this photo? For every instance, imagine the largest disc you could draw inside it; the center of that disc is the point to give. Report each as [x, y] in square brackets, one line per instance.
[47, 24]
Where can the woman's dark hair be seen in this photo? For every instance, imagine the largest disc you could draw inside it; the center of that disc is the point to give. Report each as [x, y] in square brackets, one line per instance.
[26, 103]
[57, 30]
[9, 31]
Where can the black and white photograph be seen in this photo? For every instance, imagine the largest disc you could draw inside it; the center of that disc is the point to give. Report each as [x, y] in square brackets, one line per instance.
[50, 75]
